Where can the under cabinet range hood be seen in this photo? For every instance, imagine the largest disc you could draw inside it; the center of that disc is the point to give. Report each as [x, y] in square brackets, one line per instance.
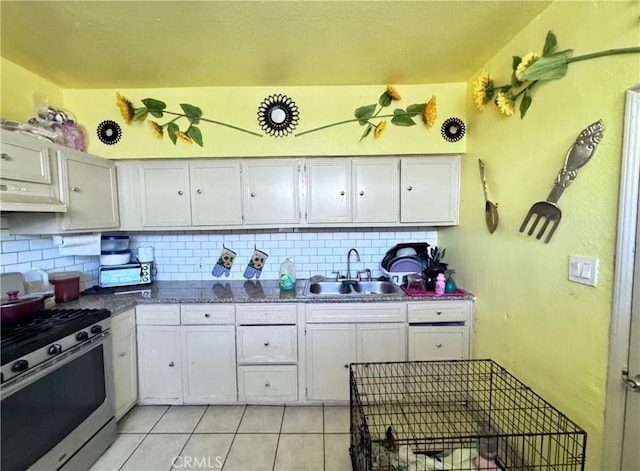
[29, 176]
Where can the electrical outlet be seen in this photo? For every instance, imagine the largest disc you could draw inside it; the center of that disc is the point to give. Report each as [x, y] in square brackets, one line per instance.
[583, 270]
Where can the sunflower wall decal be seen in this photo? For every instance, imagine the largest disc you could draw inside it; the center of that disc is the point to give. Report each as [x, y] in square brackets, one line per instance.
[278, 115]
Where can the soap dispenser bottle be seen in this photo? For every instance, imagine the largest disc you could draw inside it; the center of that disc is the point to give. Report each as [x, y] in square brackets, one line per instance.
[287, 275]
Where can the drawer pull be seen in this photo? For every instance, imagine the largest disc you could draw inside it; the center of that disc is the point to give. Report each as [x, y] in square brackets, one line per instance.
[346, 366]
[361, 193]
[409, 188]
[267, 384]
[438, 345]
[342, 193]
[171, 365]
[207, 315]
[439, 313]
[5, 156]
[75, 189]
[123, 354]
[266, 344]
[253, 195]
[199, 191]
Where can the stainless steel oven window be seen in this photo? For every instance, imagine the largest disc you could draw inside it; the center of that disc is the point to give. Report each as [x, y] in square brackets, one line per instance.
[47, 416]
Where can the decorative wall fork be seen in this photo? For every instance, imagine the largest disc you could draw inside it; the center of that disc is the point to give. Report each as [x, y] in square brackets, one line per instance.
[577, 156]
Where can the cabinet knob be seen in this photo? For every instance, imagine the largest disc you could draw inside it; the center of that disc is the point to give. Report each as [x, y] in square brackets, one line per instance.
[199, 191]
[75, 189]
[5, 156]
[207, 315]
[266, 344]
[361, 193]
[171, 365]
[267, 384]
[438, 345]
[346, 366]
[409, 188]
[122, 354]
[180, 192]
[439, 313]
[342, 193]
[253, 194]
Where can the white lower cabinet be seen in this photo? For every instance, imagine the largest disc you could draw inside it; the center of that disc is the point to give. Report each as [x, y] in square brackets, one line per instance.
[330, 349]
[267, 349]
[125, 368]
[159, 364]
[209, 364]
[381, 342]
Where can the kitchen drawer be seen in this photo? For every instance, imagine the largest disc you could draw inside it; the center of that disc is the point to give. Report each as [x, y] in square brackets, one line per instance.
[267, 383]
[158, 314]
[267, 344]
[444, 311]
[25, 160]
[438, 343]
[267, 314]
[355, 312]
[192, 314]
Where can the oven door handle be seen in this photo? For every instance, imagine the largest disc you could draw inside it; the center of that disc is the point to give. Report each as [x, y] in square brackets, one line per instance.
[36, 373]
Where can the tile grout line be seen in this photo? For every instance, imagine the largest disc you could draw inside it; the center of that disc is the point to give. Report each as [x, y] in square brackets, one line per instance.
[190, 435]
[275, 455]
[234, 437]
[324, 443]
[145, 436]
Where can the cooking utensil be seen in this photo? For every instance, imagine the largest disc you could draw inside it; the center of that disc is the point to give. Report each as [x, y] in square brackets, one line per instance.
[490, 209]
[20, 309]
[577, 156]
[436, 254]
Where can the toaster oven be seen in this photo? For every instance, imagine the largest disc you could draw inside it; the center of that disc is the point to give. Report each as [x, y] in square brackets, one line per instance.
[125, 275]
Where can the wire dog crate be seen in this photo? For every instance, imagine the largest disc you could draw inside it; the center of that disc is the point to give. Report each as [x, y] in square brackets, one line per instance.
[455, 415]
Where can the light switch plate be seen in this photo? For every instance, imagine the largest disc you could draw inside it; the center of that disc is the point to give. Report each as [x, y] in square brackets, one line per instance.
[583, 270]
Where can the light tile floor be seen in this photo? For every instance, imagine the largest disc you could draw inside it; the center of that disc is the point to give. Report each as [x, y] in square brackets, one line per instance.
[231, 438]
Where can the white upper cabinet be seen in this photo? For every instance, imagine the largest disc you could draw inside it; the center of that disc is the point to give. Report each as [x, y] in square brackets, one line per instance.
[329, 195]
[88, 186]
[90, 191]
[345, 190]
[216, 196]
[271, 191]
[165, 192]
[375, 186]
[430, 189]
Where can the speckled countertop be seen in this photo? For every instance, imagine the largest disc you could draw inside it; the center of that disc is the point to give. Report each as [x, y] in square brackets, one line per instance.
[250, 291]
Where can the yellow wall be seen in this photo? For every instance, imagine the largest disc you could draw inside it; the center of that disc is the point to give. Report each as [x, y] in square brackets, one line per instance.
[21, 89]
[549, 332]
[239, 106]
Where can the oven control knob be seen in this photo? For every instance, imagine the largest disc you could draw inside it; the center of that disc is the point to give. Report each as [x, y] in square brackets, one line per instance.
[96, 329]
[82, 336]
[19, 365]
[55, 349]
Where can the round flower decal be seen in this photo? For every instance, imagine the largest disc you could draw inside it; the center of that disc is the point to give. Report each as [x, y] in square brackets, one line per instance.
[109, 132]
[278, 115]
[453, 129]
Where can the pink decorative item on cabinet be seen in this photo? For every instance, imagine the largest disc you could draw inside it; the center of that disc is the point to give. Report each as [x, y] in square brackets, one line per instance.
[440, 282]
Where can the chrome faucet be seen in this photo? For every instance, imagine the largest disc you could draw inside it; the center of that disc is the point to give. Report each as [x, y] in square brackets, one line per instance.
[349, 261]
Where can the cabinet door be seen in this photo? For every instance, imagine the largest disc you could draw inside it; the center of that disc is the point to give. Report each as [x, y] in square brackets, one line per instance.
[25, 159]
[328, 197]
[209, 364]
[438, 343]
[330, 349]
[165, 194]
[125, 368]
[159, 368]
[91, 192]
[430, 189]
[381, 342]
[216, 196]
[375, 189]
[271, 191]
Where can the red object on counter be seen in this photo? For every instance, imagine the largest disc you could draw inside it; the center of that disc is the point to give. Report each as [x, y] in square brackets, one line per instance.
[66, 285]
[20, 309]
[425, 294]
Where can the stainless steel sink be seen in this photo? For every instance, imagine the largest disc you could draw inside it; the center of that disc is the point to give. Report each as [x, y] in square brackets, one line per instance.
[351, 288]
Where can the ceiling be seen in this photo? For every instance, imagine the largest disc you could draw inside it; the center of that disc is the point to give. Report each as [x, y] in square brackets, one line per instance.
[148, 44]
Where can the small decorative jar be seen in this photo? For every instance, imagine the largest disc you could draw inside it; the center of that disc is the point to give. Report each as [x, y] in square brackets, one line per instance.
[440, 282]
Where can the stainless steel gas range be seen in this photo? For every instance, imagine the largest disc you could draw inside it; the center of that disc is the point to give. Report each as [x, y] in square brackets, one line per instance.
[57, 406]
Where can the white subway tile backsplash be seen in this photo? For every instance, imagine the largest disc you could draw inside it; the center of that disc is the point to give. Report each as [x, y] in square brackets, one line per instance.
[181, 255]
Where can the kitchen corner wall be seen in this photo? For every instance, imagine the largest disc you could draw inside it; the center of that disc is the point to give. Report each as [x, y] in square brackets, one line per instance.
[549, 332]
[182, 255]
